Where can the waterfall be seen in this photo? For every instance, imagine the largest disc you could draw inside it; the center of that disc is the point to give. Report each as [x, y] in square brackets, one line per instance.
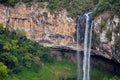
[78, 55]
[87, 47]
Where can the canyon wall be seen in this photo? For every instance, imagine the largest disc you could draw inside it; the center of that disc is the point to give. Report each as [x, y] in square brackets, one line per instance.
[106, 31]
[41, 25]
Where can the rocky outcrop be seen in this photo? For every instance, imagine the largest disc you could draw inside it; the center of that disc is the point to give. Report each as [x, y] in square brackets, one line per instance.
[105, 33]
[41, 25]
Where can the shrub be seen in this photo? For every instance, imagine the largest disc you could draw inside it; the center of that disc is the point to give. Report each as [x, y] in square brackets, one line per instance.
[17, 52]
[35, 67]
[117, 43]
[102, 26]
[47, 58]
[96, 39]
[9, 60]
[41, 5]
[107, 5]
[117, 29]
[3, 71]
[109, 35]
[115, 78]
[20, 32]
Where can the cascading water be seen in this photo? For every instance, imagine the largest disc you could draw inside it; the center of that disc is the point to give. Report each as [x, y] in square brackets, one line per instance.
[78, 55]
[87, 48]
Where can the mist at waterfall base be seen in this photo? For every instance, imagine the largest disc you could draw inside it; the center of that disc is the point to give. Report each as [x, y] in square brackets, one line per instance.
[87, 48]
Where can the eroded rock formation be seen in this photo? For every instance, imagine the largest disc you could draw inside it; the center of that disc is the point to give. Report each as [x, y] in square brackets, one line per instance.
[41, 25]
[105, 26]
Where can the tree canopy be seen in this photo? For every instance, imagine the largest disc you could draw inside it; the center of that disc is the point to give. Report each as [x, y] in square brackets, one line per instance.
[17, 52]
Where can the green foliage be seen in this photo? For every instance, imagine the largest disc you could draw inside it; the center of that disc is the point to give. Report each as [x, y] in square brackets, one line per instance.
[98, 74]
[116, 8]
[9, 2]
[9, 60]
[26, 1]
[14, 78]
[102, 26]
[109, 35]
[115, 78]
[54, 4]
[51, 71]
[62, 69]
[20, 32]
[3, 71]
[95, 2]
[13, 2]
[117, 40]
[117, 43]
[117, 29]
[48, 58]
[107, 5]
[17, 52]
[73, 7]
[41, 5]
[96, 39]
[101, 7]
[105, 78]
[1, 25]
[35, 67]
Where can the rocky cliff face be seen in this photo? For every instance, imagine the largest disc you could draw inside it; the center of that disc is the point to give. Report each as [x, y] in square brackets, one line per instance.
[41, 25]
[106, 30]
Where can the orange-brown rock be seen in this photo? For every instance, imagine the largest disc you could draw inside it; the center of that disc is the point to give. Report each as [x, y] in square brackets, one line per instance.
[50, 29]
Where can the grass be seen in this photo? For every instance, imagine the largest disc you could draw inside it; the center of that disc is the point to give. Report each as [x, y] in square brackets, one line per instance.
[59, 69]
[97, 74]
[47, 72]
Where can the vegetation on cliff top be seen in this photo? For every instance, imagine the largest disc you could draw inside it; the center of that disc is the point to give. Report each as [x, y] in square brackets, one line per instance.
[73, 7]
[107, 5]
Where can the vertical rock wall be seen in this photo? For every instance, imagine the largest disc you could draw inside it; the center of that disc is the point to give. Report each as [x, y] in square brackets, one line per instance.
[50, 29]
[105, 26]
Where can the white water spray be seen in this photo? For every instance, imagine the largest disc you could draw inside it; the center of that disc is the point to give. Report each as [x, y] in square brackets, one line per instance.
[87, 48]
[78, 55]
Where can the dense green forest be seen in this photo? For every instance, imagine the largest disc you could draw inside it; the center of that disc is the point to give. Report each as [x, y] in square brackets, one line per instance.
[17, 52]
